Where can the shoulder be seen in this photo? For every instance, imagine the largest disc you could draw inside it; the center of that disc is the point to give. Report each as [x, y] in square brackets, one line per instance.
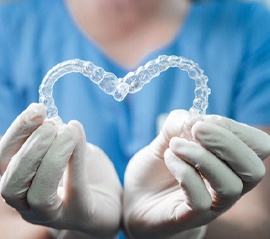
[17, 11]
[16, 14]
[28, 28]
[232, 24]
[18, 19]
[229, 12]
[229, 23]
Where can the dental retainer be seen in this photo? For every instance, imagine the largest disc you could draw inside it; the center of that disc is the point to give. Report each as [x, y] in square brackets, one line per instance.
[131, 83]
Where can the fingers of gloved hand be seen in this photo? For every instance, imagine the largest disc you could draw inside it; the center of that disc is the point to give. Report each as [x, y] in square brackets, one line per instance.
[23, 166]
[230, 148]
[42, 195]
[174, 123]
[76, 172]
[226, 185]
[197, 197]
[28, 121]
[256, 139]
[173, 126]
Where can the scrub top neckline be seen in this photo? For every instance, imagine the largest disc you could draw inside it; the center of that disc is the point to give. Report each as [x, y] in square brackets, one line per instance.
[150, 56]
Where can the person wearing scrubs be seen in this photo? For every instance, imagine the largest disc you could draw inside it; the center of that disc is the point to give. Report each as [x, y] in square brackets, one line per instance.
[121, 169]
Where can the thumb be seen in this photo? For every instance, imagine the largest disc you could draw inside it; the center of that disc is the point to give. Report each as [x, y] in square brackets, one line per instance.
[173, 127]
[75, 178]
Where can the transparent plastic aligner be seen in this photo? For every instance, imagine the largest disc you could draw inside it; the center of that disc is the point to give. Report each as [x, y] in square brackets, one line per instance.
[131, 83]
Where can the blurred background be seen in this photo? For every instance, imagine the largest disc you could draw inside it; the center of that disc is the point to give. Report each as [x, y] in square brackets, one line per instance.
[266, 1]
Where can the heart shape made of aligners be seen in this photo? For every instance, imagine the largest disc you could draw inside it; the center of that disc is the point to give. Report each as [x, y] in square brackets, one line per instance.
[131, 83]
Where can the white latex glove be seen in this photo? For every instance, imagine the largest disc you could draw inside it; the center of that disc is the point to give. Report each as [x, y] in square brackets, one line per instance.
[33, 158]
[174, 185]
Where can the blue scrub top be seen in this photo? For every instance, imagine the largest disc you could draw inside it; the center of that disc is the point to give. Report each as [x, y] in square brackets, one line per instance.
[230, 40]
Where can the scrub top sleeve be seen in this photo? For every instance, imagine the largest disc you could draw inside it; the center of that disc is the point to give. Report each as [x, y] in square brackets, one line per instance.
[253, 86]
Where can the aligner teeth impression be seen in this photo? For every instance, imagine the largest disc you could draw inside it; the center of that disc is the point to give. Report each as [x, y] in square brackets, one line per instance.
[131, 83]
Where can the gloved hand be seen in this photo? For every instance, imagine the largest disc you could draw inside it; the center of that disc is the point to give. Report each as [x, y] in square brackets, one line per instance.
[174, 185]
[34, 155]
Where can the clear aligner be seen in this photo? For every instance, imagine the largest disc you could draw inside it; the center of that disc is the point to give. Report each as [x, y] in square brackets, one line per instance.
[131, 83]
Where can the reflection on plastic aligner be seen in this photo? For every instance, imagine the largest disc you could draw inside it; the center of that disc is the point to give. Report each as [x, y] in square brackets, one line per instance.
[131, 83]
